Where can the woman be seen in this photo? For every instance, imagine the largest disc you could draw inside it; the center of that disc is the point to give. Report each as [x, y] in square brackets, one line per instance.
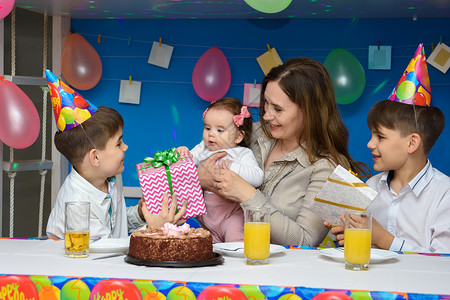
[298, 142]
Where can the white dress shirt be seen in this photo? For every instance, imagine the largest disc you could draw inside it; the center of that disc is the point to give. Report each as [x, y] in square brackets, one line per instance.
[419, 216]
[109, 217]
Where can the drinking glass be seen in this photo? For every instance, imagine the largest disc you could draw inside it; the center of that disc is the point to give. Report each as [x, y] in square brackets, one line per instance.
[357, 240]
[76, 236]
[257, 235]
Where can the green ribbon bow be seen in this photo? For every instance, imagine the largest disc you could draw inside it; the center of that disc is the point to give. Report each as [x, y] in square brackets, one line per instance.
[165, 158]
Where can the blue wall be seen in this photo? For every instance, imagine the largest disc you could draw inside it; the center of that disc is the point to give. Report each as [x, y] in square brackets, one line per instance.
[170, 112]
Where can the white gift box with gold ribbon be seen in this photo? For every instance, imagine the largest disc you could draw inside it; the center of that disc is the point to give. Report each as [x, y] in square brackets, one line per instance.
[341, 192]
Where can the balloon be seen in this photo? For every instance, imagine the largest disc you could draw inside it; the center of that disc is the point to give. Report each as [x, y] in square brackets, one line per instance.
[405, 90]
[211, 77]
[5, 7]
[19, 119]
[332, 295]
[269, 6]
[81, 65]
[347, 74]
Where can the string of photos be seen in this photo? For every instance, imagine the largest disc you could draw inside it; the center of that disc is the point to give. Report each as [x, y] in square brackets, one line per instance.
[81, 56]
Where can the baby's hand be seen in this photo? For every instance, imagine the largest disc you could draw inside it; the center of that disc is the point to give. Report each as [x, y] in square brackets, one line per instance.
[184, 151]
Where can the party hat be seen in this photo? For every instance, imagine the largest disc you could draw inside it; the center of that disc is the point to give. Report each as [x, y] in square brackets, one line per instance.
[414, 86]
[70, 108]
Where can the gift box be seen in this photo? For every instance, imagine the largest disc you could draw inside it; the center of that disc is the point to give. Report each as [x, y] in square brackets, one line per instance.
[341, 192]
[166, 172]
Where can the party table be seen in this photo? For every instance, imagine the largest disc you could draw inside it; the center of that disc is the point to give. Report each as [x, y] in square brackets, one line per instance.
[297, 273]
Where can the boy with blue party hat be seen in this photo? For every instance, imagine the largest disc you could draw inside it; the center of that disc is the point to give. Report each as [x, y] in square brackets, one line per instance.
[411, 211]
[91, 140]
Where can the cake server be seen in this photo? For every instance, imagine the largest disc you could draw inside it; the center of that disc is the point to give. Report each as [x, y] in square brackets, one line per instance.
[110, 255]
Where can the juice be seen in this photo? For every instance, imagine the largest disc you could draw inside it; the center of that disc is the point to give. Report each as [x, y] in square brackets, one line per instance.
[257, 240]
[357, 245]
[76, 243]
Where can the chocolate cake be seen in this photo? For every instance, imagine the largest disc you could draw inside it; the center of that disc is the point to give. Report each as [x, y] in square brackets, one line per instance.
[171, 243]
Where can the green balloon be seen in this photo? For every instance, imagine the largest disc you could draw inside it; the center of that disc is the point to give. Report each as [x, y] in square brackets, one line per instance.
[347, 74]
[269, 6]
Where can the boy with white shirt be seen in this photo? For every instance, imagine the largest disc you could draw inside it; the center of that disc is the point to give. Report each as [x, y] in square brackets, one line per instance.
[411, 211]
[91, 140]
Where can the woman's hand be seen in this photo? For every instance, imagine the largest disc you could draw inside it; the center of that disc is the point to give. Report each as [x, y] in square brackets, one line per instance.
[230, 185]
[206, 171]
[166, 215]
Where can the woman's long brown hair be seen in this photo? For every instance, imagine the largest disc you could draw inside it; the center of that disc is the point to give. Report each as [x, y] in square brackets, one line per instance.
[308, 84]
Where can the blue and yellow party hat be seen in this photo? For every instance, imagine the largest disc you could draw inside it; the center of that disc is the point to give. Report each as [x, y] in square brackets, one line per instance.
[69, 107]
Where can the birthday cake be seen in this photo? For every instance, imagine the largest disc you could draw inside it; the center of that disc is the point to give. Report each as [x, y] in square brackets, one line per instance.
[171, 243]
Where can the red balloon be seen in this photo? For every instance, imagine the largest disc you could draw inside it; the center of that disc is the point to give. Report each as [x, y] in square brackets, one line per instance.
[332, 295]
[5, 7]
[221, 292]
[112, 288]
[17, 287]
[212, 75]
[19, 119]
[80, 63]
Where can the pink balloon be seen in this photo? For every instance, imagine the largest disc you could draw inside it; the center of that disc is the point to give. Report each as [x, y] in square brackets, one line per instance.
[81, 65]
[212, 75]
[5, 7]
[19, 119]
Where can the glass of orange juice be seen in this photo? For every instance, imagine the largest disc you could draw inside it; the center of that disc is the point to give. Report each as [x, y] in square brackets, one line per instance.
[357, 240]
[76, 235]
[257, 235]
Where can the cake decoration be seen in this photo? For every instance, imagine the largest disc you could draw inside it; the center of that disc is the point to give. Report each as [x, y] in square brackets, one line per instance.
[172, 229]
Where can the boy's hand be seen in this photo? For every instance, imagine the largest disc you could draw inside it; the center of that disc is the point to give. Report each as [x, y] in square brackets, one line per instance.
[140, 205]
[338, 232]
[184, 151]
[381, 237]
[166, 215]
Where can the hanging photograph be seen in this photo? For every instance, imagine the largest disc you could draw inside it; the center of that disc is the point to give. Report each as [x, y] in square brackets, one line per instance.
[440, 58]
[380, 57]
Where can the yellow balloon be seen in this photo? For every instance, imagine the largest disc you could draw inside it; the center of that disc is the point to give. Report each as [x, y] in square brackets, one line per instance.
[61, 123]
[81, 115]
[67, 113]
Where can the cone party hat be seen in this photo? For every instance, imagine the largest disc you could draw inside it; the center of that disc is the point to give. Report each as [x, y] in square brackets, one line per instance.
[414, 86]
[69, 107]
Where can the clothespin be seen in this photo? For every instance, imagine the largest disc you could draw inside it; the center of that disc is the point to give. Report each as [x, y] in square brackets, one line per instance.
[131, 80]
[160, 39]
[432, 46]
[268, 47]
[99, 40]
[129, 40]
[378, 45]
[254, 84]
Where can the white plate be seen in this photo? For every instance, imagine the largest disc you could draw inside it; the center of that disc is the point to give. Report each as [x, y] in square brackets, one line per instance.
[228, 249]
[110, 245]
[376, 255]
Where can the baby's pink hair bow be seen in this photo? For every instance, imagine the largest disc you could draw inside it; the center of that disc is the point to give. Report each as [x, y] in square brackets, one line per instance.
[239, 119]
[204, 113]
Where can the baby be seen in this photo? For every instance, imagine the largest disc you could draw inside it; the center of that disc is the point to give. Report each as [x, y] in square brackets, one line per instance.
[228, 127]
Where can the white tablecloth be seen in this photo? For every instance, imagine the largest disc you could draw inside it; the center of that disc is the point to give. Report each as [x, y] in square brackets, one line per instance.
[409, 273]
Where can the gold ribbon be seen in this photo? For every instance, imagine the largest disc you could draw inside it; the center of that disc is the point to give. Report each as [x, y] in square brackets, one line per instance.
[339, 204]
[353, 184]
